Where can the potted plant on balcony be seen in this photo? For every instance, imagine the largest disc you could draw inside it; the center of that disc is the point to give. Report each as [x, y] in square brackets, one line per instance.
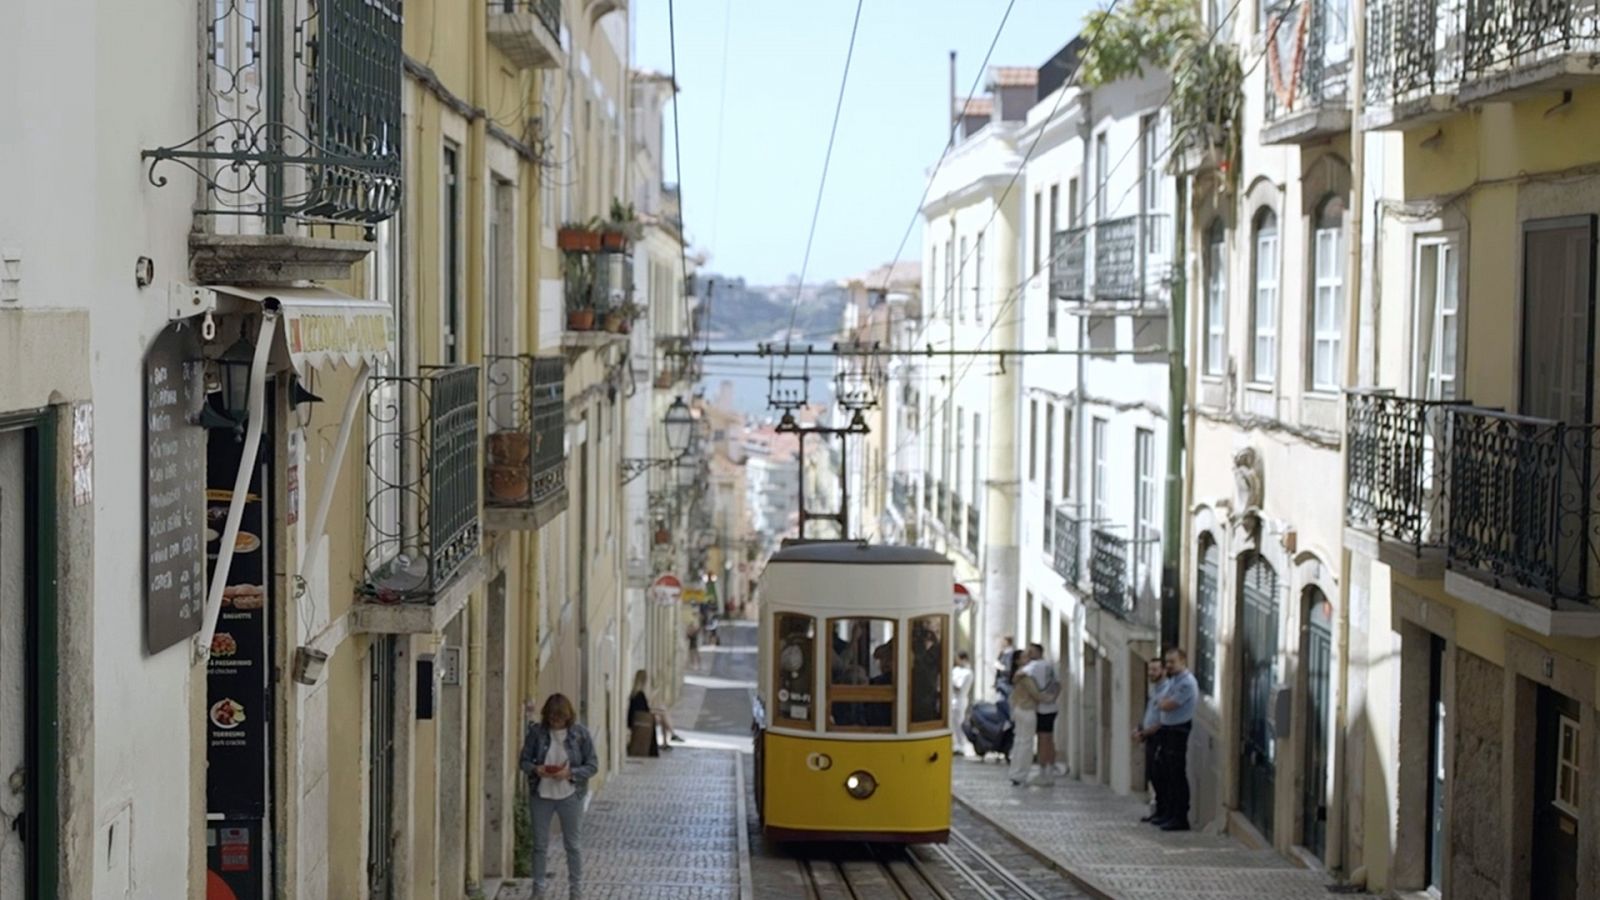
[577, 272]
[578, 237]
[622, 227]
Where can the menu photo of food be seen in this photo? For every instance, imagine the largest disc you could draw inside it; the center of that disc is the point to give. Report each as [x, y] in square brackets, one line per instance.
[227, 713]
[244, 596]
[223, 645]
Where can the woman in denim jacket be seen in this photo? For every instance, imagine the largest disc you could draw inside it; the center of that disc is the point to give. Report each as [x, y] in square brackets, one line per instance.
[558, 758]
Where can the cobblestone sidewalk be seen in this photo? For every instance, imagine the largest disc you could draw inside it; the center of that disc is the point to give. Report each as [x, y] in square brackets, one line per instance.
[1096, 835]
[660, 828]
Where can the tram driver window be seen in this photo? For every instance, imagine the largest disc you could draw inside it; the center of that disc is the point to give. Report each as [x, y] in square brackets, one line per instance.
[796, 674]
[863, 659]
[928, 667]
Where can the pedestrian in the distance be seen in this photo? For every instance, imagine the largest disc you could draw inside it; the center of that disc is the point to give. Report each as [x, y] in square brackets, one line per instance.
[1025, 697]
[1155, 673]
[1043, 674]
[960, 695]
[558, 759]
[1177, 719]
[692, 632]
[1005, 664]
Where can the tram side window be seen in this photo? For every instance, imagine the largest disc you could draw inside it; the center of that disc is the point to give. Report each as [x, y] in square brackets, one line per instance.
[862, 657]
[796, 675]
[928, 667]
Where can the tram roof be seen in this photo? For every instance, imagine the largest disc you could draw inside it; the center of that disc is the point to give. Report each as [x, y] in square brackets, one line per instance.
[858, 553]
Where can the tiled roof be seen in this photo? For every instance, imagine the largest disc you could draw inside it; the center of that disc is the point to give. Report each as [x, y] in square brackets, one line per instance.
[977, 106]
[1013, 76]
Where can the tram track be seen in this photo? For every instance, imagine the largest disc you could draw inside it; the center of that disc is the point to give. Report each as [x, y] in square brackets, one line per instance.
[959, 870]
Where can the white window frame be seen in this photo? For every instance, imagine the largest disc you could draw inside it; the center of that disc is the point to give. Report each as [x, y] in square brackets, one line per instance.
[1098, 481]
[1266, 238]
[961, 283]
[1443, 276]
[1327, 308]
[1215, 347]
[1033, 440]
[1144, 498]
[977, 280]
[1568, 801]
[1102, 162]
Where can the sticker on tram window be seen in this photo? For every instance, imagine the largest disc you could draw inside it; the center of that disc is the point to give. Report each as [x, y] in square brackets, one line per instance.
[799, 712]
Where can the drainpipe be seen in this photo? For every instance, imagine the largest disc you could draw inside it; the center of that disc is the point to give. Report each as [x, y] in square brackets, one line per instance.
[1338, 853]
[1177, 384]
[241, 481]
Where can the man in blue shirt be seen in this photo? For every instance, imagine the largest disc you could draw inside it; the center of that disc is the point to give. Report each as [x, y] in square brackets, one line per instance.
[1177, 718]
[1156, 674]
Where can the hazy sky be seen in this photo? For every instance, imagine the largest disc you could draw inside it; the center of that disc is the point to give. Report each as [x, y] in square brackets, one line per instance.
[752, 156]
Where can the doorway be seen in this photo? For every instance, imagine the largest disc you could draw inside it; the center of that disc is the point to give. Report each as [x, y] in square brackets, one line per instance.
[1436, 772]
[496, 747]
[1318, 656]
[1258, 652]
[1556, 797]
[28, 829]
[1091, 712]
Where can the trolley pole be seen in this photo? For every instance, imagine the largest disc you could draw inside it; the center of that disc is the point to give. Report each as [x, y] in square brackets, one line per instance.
[857, 426]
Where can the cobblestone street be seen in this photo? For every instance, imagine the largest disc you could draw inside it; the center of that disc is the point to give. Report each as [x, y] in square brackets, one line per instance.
[1095, 834]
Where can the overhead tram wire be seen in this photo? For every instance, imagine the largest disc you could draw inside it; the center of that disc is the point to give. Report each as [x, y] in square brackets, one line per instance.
[949, 144]
[827, 160]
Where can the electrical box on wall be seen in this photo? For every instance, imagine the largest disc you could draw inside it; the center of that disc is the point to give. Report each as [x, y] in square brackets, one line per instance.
[450, 665]
[426, 690]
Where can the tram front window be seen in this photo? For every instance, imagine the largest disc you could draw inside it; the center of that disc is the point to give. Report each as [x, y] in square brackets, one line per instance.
[863, 658]
[795, 658]
[928, 666]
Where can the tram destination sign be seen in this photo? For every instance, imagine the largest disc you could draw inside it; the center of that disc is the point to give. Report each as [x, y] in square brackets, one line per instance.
[174, 489]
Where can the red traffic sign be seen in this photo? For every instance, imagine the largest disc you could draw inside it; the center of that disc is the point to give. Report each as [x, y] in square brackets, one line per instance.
[963, 597]
[666, 590]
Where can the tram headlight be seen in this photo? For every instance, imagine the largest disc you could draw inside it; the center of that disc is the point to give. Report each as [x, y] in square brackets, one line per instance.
[861, 785]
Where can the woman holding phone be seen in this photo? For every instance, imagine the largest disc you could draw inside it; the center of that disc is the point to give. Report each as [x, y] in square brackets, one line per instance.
[558, 758]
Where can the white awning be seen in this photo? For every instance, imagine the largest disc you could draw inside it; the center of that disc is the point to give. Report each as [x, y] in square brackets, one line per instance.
[322, 326]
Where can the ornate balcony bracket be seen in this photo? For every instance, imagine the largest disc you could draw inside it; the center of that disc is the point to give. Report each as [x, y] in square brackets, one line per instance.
[633, 468]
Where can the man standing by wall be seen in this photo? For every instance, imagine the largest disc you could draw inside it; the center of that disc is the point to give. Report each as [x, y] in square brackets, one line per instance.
[1156, 674]
[1177, 718]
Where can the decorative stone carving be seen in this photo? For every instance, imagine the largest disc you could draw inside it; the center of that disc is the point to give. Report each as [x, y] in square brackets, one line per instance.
[1247, 479]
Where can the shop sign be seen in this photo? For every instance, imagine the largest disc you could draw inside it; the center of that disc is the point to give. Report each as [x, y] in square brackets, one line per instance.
[174, 489]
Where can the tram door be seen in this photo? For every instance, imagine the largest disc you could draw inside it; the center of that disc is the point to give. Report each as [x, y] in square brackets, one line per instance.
[1258, 626]
[1319, 664]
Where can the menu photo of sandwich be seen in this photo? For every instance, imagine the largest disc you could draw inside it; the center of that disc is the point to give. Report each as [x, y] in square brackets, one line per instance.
[244, 596]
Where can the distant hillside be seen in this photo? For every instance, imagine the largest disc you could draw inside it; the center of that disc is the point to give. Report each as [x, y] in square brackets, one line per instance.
[744, 312]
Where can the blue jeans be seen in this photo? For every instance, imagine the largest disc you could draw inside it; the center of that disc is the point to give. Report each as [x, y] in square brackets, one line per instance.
[571, 812]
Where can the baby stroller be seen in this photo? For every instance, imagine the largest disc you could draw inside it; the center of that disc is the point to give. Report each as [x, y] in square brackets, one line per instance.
[988, 728]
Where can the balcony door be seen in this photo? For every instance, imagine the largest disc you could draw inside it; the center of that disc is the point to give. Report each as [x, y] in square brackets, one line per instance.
[1258, 654]
[1558, 319]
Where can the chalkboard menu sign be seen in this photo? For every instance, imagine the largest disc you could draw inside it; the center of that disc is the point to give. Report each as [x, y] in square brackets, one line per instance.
[174, 490]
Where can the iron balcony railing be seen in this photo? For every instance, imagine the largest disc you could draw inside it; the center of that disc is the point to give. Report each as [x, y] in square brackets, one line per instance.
[1308, 56]
[1108, 572]
[299, 112]
[1130, 263]
[974, 521]
[927, 492]
[526, 464]
[1049, 519]
[431, 420]
[1069, 254]
[1068, 534]
[940, 499]
[1413, 50]
[1396, 463]
[1504, 36]
[548, 12]
[955, 516]
[1524, 498]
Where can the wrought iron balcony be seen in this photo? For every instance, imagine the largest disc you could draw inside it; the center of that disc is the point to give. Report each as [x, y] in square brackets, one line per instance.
[941, 497]
[1396, 468]
[904, 494]
[1308, 71]
[1516, 45]
[1524, 505]
[1069, 254]
[1108, 572]
[299, 114]
[525, 474]
[1068, 534]
[927, 492]
[1131, 261]
[528, 32]
[1413, 59]
[431, 421]
[955, 517]
[974, 521]
[1049, 519]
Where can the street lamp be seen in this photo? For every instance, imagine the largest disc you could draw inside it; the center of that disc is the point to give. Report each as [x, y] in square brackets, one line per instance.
[680, 425]
[228, 387]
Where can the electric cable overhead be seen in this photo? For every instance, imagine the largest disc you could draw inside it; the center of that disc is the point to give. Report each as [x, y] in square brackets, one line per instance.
[827, 159]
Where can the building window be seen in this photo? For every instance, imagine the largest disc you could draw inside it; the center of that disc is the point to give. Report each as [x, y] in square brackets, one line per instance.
[977, 280]
[1038, 230]
[1049, 449]
[1216, 299]
[1327, 295]
[932, 289]
[1152, 158]
[961, 448]
[1066, 451]
[949, 276]
[1055, 225]
[1074, 212]
[1567, 798]
[961, 283]
[454, 315]
[1033, 440]
[1264, 314]
[1102, 174]
[1097, 456]
[1144, 501]
[1205, 618]
[1438, 316]
[977, 460]
[385, 429]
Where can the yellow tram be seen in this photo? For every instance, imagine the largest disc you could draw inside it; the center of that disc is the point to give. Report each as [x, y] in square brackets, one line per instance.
[852, 713]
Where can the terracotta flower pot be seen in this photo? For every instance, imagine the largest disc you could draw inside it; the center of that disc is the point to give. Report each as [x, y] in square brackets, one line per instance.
[580, 320]
[509, 448]
[614, 322]
[578, 240]
[508, 484]
[613, 240]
